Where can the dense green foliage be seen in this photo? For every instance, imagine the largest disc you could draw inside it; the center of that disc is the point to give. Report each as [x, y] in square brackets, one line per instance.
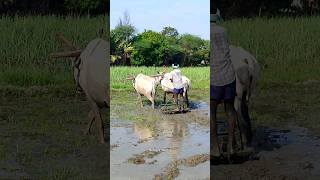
[75, 7]
[151, 48]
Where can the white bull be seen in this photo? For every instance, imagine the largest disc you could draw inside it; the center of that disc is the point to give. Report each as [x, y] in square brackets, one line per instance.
[146, 86]
[90, 68]
[247, 72]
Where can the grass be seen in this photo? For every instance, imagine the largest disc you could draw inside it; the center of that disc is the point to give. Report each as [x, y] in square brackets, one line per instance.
[26, 43]
[40, 133]
[287, 48]
[199, 76]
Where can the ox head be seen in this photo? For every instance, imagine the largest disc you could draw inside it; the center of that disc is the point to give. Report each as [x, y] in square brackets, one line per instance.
[158, 77]
[132, 78]
[70, 52]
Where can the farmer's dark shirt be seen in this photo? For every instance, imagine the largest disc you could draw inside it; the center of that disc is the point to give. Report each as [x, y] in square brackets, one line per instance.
[222, 72]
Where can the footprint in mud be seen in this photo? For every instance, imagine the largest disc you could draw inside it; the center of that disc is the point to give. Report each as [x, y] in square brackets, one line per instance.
[140, 158]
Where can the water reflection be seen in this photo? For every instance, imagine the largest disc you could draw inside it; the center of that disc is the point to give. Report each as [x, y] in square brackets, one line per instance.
[175, 132]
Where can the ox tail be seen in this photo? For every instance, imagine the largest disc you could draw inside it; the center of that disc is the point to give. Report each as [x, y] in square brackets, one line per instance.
[252, 76]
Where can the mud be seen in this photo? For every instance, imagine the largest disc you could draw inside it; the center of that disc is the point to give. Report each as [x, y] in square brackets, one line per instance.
[280, 154]
[157, 145]
[42, 138]
[285, 120]
[139, 158]
[172, 170]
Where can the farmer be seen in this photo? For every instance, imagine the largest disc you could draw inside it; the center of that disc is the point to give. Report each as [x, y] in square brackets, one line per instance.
[176, 78]
[222, 83]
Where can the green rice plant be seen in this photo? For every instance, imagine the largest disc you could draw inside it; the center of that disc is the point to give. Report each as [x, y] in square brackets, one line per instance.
[199, 76]
[287, 48]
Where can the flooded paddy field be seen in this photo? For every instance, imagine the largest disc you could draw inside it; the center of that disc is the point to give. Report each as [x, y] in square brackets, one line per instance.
[286, 136]
[147, 144]
[41, 138]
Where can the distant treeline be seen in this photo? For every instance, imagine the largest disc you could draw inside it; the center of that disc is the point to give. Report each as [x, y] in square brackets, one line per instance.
[150, 48]
[58, 7]
[266, 8]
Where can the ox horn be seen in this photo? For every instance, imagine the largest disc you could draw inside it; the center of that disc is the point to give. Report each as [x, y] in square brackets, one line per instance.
[75, 53]
[130, 78]
[157, 75]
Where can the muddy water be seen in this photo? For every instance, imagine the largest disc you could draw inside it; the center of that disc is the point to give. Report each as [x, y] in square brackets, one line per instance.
[157, 145]
[291, 153]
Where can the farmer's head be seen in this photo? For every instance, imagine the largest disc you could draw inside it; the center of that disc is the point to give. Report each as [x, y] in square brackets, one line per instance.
[175, 66]
[215, 16]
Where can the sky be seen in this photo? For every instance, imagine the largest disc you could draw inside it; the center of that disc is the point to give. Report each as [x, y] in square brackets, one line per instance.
[187, 16]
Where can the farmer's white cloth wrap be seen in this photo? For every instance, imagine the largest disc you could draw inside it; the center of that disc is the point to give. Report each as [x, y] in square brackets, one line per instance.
[94, 70]
[177, 78]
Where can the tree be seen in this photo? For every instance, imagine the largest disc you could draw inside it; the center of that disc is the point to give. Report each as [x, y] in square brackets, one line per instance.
[121, 39]
[170, 32]
[150, 48]
[194, 49]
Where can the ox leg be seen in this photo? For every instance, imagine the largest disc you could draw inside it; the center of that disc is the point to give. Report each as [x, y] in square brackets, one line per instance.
[151, 98]
[164, 97]
[152, 103]
[245, 121]
[187, 99]
[140, 99]
[231, 114]
[91, 119]
[215, 149]
[100, 126]
[98, 121]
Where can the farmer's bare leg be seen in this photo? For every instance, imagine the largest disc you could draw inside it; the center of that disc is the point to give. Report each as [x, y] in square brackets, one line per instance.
[231, 115]
[176, 97]
[182, 100]
[215, 149]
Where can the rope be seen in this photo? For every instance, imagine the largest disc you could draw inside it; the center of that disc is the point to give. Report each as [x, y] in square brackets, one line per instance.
[77, 66]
